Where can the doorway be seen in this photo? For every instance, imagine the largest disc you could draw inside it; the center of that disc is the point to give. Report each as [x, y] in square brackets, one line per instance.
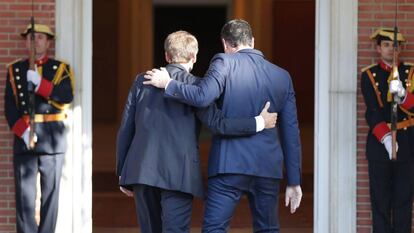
[291, 47]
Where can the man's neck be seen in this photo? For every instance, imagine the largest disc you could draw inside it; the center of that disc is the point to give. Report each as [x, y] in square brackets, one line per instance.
[40, 56]
[187, 66]
[236, 49]
[387, 62]
[241, 47]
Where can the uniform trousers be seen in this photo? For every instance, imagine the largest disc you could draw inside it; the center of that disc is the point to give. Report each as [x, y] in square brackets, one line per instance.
[26, 168]
[162, 211]
[224, 193]
[391, 196]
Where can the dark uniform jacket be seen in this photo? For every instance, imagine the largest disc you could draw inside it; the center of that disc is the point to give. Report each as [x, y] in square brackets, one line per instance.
[52, 97]
[241, 83]
[374, 87]
[157, 141]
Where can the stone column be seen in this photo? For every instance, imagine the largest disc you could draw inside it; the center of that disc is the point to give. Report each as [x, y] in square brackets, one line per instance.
[335, 116]
[74, 45]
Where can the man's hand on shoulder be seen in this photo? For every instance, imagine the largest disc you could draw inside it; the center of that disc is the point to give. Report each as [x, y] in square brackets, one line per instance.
[157, 78]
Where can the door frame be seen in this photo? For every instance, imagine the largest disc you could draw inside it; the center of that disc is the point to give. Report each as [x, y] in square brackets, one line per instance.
[335, 146]
[335, 105]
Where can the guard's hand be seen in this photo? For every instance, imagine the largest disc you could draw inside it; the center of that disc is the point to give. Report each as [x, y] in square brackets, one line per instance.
[157, 78]
[34, 77]
[387, 141]
[396, 87]
[26, 137]
[269, 118]
[293, 196]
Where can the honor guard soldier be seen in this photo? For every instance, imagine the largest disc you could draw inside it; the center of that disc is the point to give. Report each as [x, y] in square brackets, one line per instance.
[52, 82]
[390, 180]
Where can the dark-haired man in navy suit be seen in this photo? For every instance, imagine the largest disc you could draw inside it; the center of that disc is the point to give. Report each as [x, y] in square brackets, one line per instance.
[239, 81]
[157, 146]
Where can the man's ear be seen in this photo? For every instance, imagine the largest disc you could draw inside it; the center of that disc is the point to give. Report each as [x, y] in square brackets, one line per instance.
[194, 58]
[252, 42]
[379, 48]
[167, 57]
[224, 44]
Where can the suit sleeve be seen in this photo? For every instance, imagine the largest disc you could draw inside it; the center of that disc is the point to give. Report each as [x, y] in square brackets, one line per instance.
[13, 116]
[213, 118]
[204, 92]
[126, 130]
[374, 113]
[290, 139]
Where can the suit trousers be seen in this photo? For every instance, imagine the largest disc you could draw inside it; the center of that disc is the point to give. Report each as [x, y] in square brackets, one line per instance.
[224, 193]
[162, 211]
[26, 168]
[391, 190]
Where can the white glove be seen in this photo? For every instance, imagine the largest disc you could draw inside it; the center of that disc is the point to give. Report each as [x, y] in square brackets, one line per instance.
[396, 87]
[293, 195]
[34, 77]
[387, 141]
[25, 137]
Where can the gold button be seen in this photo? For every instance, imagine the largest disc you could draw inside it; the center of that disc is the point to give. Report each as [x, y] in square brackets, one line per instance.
[25, 112]
[47, 111]
[377, 84]
[55, 67]
[374, 74]
[406, 71]
[19, 86]
[405, 128]
[17, 69]
[21, 94]
[23, 103]
[18, 77]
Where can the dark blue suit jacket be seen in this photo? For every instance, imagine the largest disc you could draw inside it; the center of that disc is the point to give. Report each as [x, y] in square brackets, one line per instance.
[157, 142]
[241, 83]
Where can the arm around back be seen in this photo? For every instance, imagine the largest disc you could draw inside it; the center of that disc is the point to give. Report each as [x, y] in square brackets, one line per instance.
[204, 92]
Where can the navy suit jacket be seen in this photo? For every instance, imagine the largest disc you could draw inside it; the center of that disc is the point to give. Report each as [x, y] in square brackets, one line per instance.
[241, 83]
[157, 141]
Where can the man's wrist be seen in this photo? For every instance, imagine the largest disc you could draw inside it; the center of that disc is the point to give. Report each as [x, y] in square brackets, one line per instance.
[260, 124]
[166, 85]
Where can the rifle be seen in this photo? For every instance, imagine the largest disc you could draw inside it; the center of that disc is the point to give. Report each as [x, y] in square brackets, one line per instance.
[395, 100]
[30, 86]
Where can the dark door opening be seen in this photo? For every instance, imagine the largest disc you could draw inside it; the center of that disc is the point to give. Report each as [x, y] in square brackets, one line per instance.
[198, 21]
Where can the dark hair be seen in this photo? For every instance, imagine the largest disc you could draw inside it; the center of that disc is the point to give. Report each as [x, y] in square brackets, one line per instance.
[237, 32]
[381, 38]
